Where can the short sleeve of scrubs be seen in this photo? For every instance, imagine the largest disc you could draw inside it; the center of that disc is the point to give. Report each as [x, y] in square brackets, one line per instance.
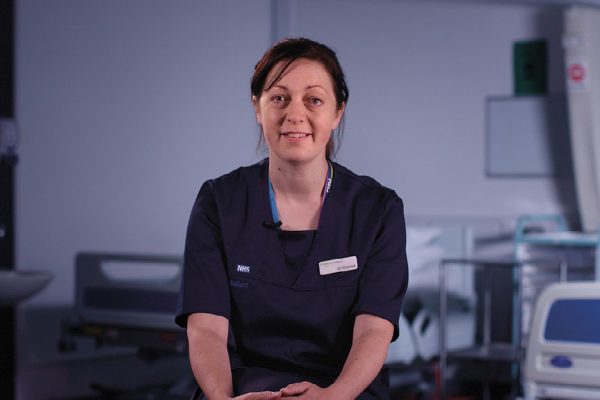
[204, 284]
[385, 278]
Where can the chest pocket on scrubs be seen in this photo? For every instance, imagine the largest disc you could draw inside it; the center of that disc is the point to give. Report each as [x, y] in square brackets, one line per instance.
[347, 278]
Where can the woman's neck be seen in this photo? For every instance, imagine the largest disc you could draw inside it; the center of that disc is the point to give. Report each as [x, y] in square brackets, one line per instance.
[304, 180]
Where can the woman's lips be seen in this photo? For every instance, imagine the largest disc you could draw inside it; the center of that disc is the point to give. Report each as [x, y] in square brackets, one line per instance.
[295, 135]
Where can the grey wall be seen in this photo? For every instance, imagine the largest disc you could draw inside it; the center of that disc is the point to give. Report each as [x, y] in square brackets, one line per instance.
[126, 107]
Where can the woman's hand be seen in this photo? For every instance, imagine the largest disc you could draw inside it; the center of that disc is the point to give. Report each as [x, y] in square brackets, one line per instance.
[305, 390]
[259, 396]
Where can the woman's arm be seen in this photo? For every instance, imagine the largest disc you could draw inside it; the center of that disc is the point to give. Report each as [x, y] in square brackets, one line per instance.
[370, 341]
[207, 338]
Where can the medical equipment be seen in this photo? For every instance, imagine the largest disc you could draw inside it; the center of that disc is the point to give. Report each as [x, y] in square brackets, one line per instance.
[460, 330]
[582, 59]
[426, 247]
[403, 350]
[410, 356]
[487, 349]
[127, 290]
[563, 355]
[545, 237]
[128, 302]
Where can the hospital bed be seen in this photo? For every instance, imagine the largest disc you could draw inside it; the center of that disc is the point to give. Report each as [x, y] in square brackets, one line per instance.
[128, 301]
[426, 246]
[563, 355]
[127, 289]
[413, 356]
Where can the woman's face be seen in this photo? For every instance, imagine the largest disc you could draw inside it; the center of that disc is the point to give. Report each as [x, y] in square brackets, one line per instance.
[299, 112]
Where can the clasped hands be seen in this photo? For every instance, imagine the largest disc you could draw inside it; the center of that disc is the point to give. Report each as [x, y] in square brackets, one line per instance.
[300, 390]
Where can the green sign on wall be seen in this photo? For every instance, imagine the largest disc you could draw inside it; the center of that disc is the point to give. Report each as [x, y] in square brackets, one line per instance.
[530, 68]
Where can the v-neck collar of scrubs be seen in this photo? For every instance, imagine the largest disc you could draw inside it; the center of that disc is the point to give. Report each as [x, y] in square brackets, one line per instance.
[275, 242]
[325, 192]
[296, 248]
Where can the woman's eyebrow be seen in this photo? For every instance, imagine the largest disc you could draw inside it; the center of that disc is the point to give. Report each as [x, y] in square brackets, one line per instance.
[316, 86]
[306, 88]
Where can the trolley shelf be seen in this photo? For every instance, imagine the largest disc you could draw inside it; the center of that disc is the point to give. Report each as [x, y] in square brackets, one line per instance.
[491, 352]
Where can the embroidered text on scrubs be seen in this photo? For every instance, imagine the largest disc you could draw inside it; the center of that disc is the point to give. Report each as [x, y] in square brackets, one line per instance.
[238, 284]
[243, 268]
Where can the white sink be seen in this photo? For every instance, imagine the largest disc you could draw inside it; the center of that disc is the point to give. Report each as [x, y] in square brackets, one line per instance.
[16, 286]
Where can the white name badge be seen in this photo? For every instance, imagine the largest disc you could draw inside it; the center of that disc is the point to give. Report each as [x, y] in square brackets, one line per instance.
[338, 265]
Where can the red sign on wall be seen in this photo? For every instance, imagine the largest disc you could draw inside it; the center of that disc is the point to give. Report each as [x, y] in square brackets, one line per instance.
[577, 75]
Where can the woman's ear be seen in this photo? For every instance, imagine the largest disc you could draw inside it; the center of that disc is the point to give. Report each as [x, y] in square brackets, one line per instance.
[256, 105]
[340, 114]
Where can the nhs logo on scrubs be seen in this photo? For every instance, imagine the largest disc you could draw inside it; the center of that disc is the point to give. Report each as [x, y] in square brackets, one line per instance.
[243, 268]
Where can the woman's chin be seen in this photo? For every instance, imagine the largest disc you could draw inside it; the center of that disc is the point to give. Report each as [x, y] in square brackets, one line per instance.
[297, 157]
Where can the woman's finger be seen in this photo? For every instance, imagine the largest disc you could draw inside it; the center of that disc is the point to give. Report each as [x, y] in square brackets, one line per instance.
[295, 389]
[266, 395]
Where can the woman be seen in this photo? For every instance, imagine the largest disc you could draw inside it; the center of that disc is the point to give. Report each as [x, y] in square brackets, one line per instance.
[294, 268]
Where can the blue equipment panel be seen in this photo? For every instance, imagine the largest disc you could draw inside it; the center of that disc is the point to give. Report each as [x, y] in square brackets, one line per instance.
[574, 320]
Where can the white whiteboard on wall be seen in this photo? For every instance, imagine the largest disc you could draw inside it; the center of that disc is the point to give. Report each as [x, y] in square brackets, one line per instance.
[527, 136]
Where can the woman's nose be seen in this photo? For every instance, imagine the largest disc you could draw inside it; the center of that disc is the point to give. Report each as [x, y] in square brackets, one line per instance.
[295, 112]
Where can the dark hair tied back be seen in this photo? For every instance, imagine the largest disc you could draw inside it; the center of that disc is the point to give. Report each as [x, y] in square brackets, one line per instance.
[286, 52]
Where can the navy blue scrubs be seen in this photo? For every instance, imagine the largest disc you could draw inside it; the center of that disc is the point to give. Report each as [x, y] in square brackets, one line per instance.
[287, 321]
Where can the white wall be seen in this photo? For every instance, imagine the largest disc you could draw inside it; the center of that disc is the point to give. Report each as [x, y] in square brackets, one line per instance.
[419, 73]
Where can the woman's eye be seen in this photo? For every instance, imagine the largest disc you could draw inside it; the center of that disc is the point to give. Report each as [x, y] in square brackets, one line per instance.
[278, 99]
[315, 101]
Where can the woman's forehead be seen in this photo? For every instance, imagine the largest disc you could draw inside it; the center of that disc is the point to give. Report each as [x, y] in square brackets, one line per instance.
[302, 71]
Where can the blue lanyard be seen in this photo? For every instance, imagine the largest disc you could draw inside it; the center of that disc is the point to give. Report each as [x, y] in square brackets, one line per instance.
[326, 190]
